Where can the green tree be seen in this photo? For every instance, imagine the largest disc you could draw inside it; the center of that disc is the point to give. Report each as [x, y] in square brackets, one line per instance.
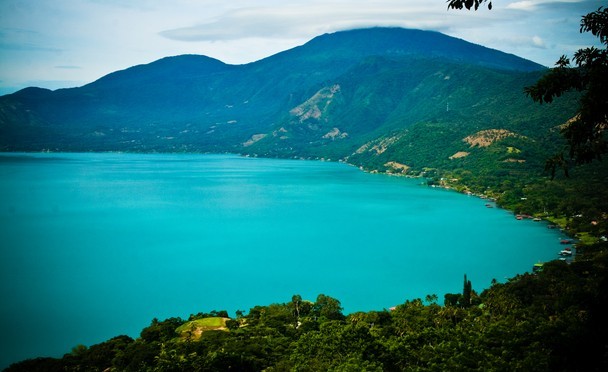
[466, 292]
[232, 324]
[468, 4]
[585, 133]
[328, 308]
[452, 299]
[161, 330]
[296, 300]
[79, 350]
[137, 356]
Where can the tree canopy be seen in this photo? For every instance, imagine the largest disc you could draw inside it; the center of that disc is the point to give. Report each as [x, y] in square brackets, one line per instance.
[468, 4]
[586, 132]
[552, 320]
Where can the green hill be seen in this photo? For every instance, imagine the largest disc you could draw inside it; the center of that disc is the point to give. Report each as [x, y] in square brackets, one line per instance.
[195, 103]
[194, 329]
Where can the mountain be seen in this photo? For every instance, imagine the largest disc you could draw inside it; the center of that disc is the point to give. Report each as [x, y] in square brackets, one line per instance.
[384, 98]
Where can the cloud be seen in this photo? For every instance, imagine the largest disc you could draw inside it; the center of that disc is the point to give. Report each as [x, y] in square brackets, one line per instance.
[522, 5]
[533, 5]
[140, 5]
[262, 22]
[27, 47]
[23, 40]
[538, 42]
[522, 42]
[290, 22]
[67, 67]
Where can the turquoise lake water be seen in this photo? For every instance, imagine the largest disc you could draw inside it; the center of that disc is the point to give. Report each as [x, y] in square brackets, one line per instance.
[96, 245]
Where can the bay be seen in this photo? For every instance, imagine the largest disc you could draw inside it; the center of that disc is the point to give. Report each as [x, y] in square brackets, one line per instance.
[97, 245]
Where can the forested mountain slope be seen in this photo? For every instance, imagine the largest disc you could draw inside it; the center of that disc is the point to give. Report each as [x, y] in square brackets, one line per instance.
[326, 98]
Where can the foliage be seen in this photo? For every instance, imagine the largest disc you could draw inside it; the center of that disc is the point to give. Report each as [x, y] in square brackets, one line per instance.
[193, 329]
[468, 4]
[161, 331]
[553, 320]
[586, 131]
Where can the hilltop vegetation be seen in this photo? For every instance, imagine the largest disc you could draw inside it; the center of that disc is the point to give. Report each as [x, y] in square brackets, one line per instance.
[326, 98]
[552, 320]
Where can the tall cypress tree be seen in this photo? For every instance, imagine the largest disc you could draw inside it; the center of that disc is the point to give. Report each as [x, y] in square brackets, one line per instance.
[466, 292]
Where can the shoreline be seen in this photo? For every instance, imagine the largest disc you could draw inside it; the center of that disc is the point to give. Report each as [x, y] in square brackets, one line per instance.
[443, 184]
[441, 292]
[560, 222]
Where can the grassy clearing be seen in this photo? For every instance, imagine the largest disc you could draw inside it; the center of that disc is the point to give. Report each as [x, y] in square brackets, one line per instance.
[587, 239]
[195, 328]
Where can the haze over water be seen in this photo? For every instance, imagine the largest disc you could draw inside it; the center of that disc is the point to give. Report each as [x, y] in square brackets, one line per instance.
[96, 245]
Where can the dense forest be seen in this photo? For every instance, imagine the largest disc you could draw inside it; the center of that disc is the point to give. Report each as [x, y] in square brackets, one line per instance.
[552, 319]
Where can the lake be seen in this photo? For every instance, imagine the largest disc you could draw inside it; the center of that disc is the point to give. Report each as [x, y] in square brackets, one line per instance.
[97, 245]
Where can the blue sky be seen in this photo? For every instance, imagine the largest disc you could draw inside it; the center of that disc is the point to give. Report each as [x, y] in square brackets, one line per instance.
[66, 43]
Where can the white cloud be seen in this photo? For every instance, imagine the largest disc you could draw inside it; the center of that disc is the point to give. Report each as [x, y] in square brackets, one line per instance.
[533, 5]
[537, 41]
[67, 67]
[523, 5]
[304, 20]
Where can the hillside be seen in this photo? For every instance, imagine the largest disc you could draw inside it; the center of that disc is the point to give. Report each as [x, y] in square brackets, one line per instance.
[385, 79]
